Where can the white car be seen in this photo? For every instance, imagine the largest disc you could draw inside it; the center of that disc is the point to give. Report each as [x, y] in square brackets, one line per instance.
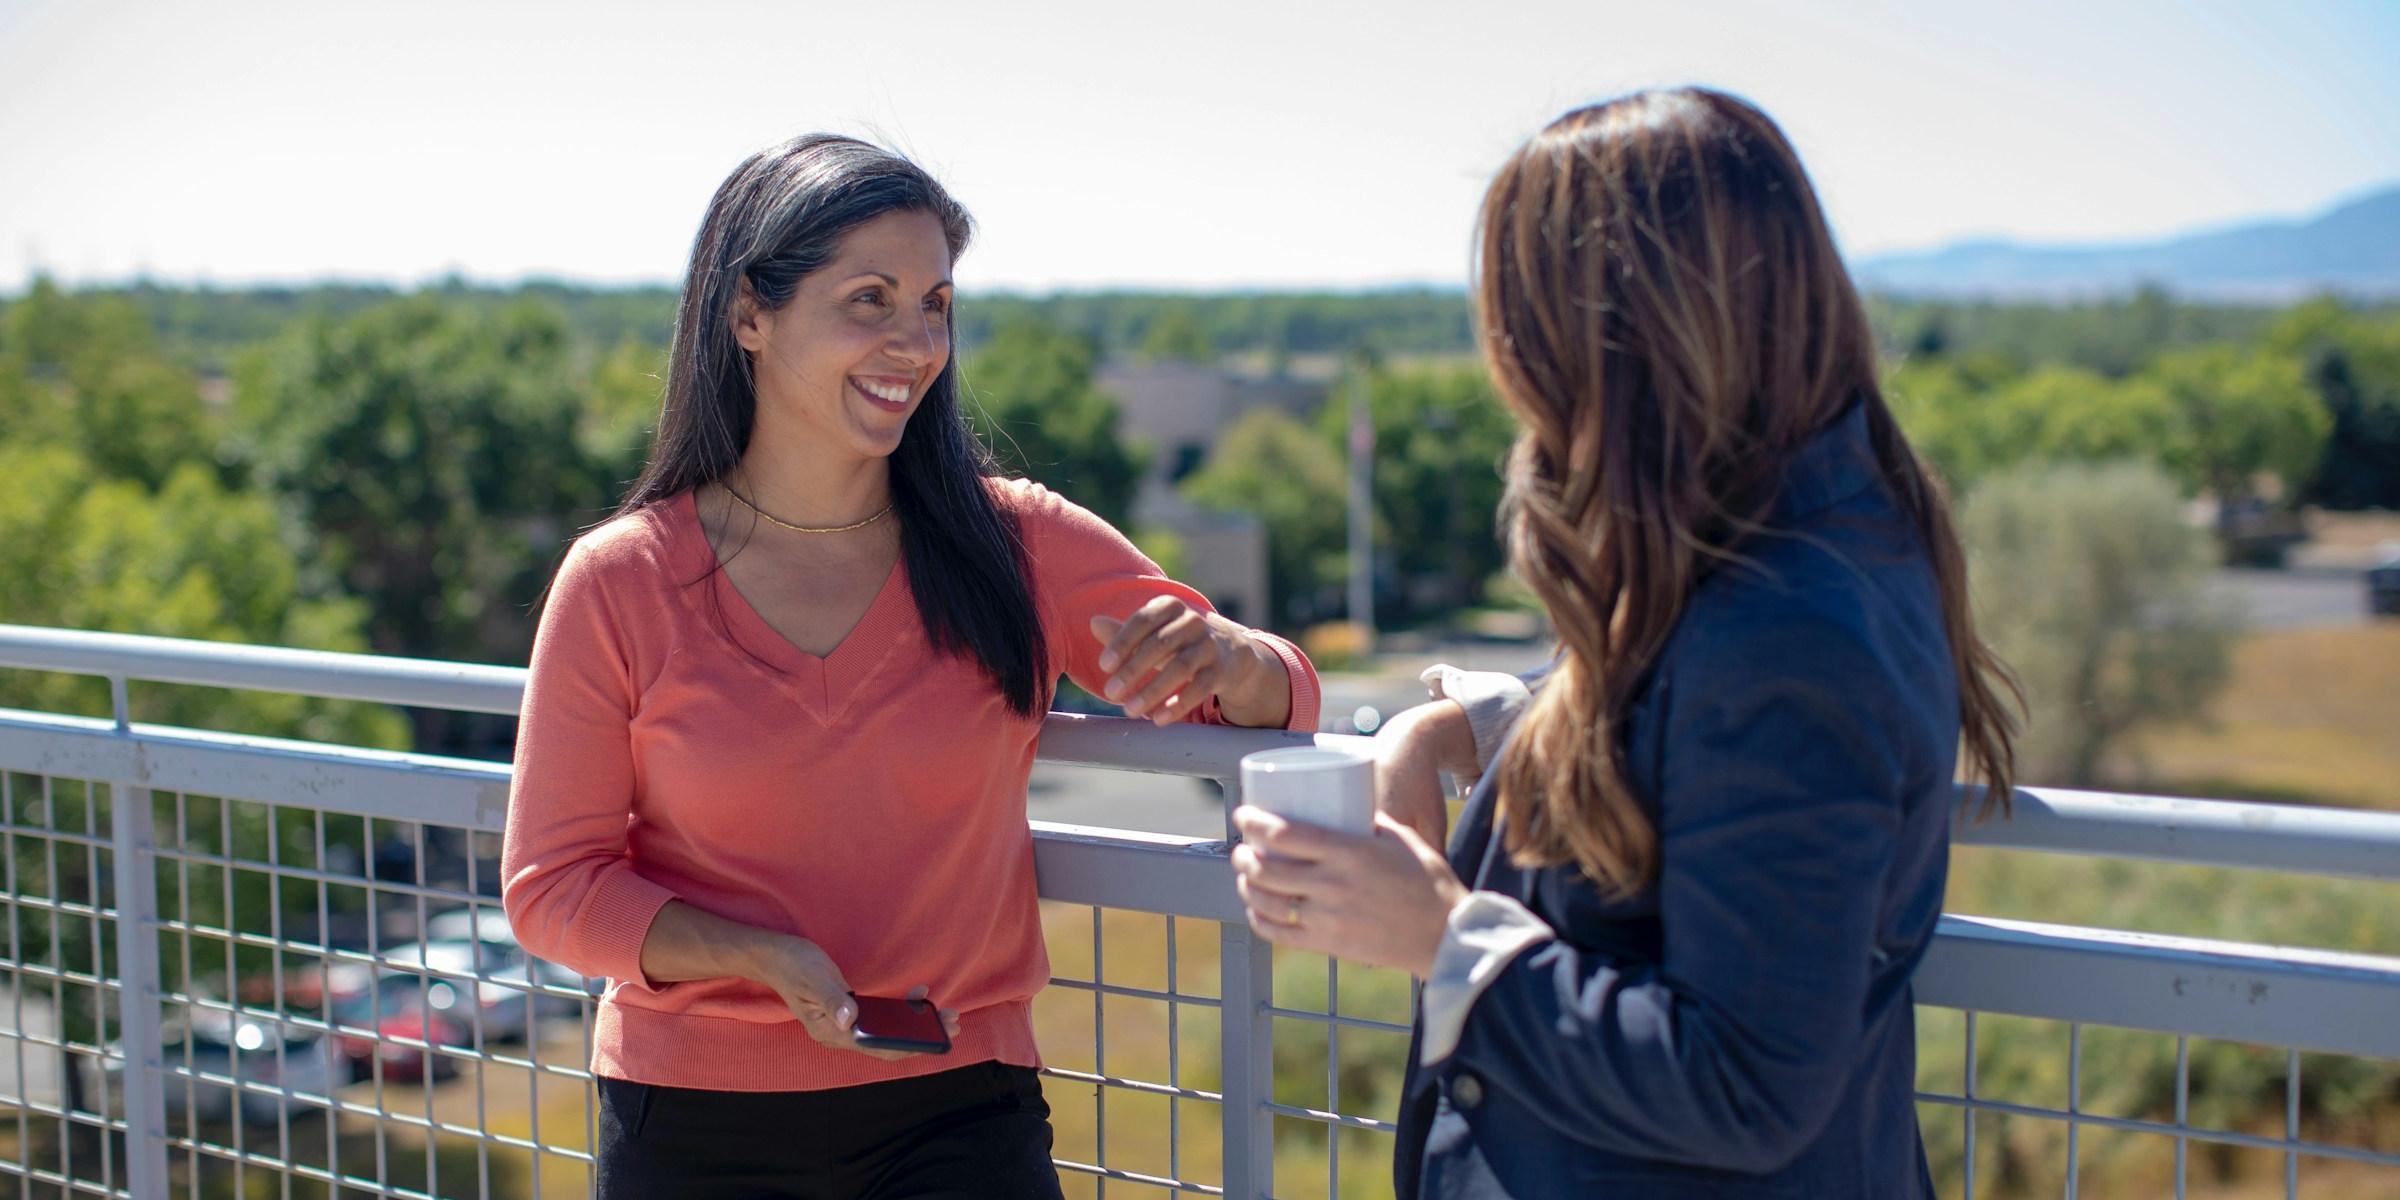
[220, 1047]
[489, 924]
[503, 1002]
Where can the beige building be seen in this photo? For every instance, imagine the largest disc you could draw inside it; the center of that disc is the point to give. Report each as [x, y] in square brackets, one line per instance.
[1179, 409]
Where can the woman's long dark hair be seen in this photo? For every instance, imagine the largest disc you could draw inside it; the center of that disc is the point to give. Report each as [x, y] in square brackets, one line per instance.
[778, 217]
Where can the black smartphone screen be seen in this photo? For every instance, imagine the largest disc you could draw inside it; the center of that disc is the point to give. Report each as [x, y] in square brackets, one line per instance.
[886, 1023]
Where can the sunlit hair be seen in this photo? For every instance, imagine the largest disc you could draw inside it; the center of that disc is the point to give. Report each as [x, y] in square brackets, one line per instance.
[1661, 305]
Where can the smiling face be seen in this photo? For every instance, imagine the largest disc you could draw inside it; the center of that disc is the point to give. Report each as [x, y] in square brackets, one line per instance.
[845, 362]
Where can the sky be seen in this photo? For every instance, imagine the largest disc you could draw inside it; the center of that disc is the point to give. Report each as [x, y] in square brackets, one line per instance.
[1217, 145]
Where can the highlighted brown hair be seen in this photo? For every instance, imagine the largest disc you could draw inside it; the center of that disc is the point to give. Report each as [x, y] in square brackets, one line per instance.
[1662, 307]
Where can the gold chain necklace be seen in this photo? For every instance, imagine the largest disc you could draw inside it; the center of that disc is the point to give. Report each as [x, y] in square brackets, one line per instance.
[772, 519]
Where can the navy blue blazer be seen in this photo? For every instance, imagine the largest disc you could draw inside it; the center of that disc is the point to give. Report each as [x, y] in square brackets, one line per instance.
[1743, 1027]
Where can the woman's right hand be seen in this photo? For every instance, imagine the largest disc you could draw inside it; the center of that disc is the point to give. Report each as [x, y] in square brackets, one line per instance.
[813, 988]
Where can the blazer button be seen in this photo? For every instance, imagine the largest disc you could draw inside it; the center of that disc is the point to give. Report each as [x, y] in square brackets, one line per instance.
[1466, 1092]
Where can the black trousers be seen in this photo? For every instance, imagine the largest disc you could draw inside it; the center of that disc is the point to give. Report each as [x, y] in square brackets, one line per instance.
[980, 1131]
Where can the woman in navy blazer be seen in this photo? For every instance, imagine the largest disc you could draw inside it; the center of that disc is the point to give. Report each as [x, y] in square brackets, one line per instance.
[1668, 951]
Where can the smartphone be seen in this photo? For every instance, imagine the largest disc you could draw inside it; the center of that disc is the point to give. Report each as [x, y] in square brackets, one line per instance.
[886, 1023]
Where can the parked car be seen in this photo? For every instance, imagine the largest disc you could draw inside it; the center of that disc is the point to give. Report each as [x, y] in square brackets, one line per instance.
[490, 925]
[2383, 583]
[485, 921]
[502, 999]
[387, 1022]
[213, 1043]
[2252, 533]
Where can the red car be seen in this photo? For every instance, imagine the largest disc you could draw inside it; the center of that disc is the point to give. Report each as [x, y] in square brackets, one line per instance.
[404, 1026]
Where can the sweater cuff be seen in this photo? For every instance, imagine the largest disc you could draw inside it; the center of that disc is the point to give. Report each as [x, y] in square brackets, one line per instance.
[1307, 699]
[616, 921]
[1486, 932]
[1493, 700]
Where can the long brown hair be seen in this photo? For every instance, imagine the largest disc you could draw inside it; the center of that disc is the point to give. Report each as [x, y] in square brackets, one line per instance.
[1661, 305]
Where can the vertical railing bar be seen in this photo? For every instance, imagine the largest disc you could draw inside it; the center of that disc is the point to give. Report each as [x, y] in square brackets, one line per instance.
[137, 963]
[2291, 1123]
[473, 1001]
[16, 980]
[1174, 1063]
[1099, 1061]
[383, 1111]
[91, 887]
[183, 917]
[2074, 1105]
[336, 1060]
[2183, 1107]
[1333, 1077]
[588, 1018]
[1247, 1045]
[533, 1106]
[1230, 792]
[1967, 1110]
[483, 1124]
[233, 979]
[58, 956]
[283, 1108]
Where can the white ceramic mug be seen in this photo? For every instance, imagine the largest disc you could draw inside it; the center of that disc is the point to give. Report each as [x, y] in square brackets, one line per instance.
[1316, 784]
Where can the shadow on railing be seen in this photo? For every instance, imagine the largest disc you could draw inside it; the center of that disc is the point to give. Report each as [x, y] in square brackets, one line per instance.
[319, 987]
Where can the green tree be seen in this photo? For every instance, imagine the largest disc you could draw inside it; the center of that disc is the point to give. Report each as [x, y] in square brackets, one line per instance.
[1273, 466]
[87, 373]
[432, 455]
[1440, 433]
[2089, 584]
[2236, 415]
[1977, 415]
[1939, 402]
[2353, 362]
[79, 550]
[628, 384]
[1177, 335]
[1029, 391]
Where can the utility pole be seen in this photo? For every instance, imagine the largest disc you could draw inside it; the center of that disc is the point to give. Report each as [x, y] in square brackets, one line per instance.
[1362, 503]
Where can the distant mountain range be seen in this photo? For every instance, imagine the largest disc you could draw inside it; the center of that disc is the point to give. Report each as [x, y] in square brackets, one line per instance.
[2353, 248]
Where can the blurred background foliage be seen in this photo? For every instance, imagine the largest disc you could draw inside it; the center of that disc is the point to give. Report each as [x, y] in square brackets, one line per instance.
[359, 468]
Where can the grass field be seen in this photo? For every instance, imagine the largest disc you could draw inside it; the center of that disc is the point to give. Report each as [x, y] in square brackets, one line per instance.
[2311, 716]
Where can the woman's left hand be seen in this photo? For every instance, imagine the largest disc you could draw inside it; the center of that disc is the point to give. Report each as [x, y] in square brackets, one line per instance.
[1381, 898]
[1169, 658]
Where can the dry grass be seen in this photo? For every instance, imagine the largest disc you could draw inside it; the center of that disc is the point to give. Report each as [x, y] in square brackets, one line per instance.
[2352, 529]
[2311, 715]
[1142, 1133]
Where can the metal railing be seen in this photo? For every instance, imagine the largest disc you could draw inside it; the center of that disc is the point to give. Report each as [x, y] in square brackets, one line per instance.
[186, 910]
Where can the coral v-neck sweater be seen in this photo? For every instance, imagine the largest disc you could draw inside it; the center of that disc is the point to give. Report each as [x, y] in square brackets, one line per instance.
[674, 746]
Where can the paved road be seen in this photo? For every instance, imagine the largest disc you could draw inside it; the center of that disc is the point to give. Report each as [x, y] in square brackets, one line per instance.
[2294, 599]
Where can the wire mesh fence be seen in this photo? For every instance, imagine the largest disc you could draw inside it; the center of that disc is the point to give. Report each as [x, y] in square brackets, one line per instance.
[240, 967]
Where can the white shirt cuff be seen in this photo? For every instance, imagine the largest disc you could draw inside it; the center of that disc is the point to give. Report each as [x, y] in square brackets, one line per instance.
[1486, 932]
[1493, 700]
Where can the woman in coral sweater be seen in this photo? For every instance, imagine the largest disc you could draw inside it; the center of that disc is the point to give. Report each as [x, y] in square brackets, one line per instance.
[783, 708]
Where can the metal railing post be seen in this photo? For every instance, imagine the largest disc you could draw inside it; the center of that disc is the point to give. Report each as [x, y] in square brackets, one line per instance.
[1249, 1068]
[132, 831]
[1248, 1046]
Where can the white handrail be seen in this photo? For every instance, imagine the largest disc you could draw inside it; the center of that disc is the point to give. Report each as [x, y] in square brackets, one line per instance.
[2221, 833]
